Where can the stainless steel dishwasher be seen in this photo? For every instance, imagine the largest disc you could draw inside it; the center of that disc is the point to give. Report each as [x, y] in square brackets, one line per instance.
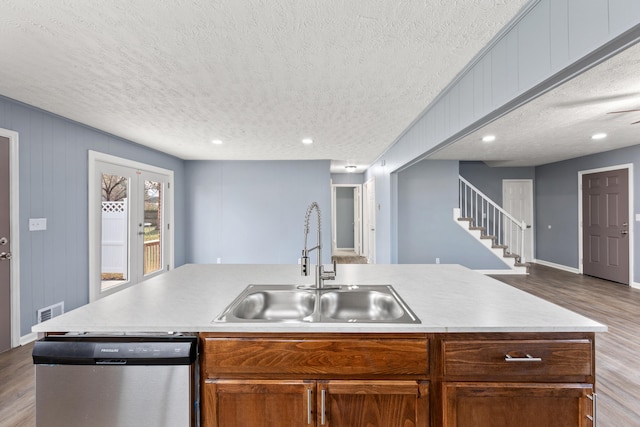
[116, 381]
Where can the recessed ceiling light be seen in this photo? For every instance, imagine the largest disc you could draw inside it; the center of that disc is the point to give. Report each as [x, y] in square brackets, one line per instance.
[599, 136]
[488, 138]
[216, 142]
[307, 141]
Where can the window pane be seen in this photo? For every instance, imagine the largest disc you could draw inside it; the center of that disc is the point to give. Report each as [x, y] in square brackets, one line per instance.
[115, 231]
[152, 226]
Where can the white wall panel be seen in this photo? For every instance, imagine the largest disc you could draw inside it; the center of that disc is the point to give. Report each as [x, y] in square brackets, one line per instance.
[623, 14]
[466, 100]
[500, 89]
[534, 47]
[588, 26]
[559, 34]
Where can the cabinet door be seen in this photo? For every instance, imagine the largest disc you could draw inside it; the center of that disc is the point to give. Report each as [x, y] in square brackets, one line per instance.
[373, 404]
[517, 404]
[256, 403]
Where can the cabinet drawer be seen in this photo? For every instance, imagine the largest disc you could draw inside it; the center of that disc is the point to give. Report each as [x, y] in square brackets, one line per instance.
[503, 359]
[320, 357]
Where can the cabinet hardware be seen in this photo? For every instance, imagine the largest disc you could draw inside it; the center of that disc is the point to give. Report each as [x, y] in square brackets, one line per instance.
[324, 392]
[527, 358]
[594, 404]
[309, 406]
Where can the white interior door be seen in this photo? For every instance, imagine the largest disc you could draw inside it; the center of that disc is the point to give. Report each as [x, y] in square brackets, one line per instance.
[357, 220]
[369, 221]
[517, 200]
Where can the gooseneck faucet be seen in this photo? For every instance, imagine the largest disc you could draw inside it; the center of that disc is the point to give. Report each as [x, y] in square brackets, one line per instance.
[321, 274]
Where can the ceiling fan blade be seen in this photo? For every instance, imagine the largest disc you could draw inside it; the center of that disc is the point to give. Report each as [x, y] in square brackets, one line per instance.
[623, 111]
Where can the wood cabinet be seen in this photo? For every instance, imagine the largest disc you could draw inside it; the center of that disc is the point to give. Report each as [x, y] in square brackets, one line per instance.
[258, 403]
[398, 380]
[526, 380]
[373, 403]
[516, 404]
[315, 380]
[343, 403]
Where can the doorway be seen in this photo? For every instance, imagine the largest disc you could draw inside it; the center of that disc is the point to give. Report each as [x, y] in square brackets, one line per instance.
[130, 223]
[605, 204]
[346, 224]
[517, 200]
[9, 247]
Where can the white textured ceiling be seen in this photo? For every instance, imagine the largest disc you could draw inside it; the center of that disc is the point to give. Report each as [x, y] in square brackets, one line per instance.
[259, 75]
[559, 124]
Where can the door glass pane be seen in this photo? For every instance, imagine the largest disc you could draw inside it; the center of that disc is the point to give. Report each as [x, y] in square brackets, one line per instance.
[152, 226]
[115, 231]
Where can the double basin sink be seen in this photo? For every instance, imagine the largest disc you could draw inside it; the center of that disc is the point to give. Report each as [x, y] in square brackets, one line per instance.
[333, 304]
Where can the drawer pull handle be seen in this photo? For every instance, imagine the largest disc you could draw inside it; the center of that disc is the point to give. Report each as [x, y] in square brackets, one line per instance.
[309, 406]
[323, 417]
[594, 418]
[527, 358]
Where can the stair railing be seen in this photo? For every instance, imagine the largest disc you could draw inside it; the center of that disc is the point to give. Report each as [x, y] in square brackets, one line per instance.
[484, 212]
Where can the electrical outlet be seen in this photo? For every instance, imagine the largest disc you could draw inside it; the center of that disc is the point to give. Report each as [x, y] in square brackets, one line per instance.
[37, 224]
[219, 261]
[437, 260]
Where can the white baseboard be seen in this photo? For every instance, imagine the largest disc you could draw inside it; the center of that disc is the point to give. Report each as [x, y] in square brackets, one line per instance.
[634, 285]
[26, 339]
[558, 266]
[499, 272]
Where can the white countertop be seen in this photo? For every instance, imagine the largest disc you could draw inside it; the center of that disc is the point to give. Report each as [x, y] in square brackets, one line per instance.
[446, 298]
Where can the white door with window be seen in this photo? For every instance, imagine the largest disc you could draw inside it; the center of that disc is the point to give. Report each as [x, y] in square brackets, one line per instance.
[130, 223]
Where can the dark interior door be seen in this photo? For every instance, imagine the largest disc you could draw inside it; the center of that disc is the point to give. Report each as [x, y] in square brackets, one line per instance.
[5, 249]
[605, 219]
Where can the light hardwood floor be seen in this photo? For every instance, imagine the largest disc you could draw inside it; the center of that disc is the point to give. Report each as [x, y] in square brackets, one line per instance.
[17, 391]
[617, 351]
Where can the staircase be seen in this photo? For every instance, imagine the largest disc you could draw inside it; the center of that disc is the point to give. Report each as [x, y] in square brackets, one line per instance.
[491, 225]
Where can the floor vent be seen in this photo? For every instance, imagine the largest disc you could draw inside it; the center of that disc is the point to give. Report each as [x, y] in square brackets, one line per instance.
[50, 312]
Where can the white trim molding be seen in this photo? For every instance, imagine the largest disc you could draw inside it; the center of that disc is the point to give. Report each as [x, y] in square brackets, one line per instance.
[14, 225]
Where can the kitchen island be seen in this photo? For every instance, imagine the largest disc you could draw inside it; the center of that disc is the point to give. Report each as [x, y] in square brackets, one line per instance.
[484, 353]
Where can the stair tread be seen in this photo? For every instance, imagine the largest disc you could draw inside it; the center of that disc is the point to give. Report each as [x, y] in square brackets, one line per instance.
[516, 264]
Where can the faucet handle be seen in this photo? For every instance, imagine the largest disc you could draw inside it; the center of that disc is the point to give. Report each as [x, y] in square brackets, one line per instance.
[304, 265]
[329, 275]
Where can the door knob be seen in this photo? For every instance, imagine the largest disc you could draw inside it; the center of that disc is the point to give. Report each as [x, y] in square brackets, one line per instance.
[3, 241]
[624, 232]
[5, 255]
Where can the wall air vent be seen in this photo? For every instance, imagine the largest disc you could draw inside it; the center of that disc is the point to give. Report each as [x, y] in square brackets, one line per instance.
[50, 312]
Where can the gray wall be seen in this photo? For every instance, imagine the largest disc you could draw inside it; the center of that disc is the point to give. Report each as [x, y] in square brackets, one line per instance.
[344, 217]
[534, 53]
[253, 211]
[427, 194]
[556, 193]
[53, 185]
[347, 178]
[489, 180]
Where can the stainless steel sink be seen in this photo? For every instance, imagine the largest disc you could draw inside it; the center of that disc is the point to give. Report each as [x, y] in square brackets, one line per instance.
[360, 305]
[336, 304]
[275, 305]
